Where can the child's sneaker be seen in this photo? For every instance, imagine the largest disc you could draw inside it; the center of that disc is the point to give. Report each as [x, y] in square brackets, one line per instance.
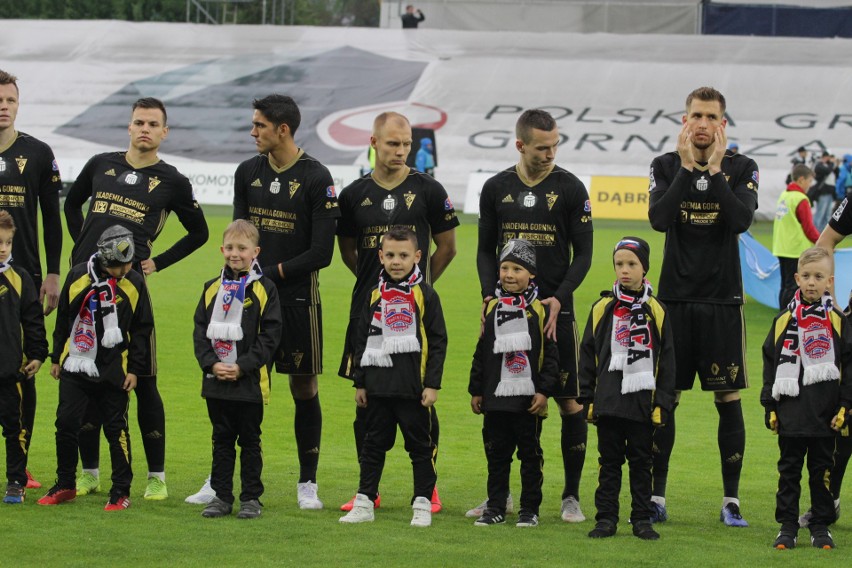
[645, 530]
[436, 501]
[603, 529]
[527, 518]
[490, 517]
[346, 507]
[88, 483]
[571, 512]
[31, 481]
[479, 510]
[731, 516]
[250, 509]
[821, 537]
[422, 509]
[57, 495]
[14, 493]
[204, 495]
[216, 508]
[307, 493]
[659, 515]
[787, 538]
[117, 502]
[362, 511]
[156, 489]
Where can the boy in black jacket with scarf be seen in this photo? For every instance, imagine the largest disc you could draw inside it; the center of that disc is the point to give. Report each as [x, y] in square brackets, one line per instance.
[807, 368]
[101, 345]
[237, 327]
[402, 324]
[627, 375]
[515, 368]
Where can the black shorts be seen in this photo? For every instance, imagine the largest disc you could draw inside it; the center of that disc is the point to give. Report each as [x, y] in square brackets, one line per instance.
[710, 341]
[568, 345]
[300, 350]
[346, 361]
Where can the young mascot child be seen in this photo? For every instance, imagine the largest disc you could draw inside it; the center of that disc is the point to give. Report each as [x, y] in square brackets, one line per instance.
[400, 327]
[100, 345]
[23, 348]
[515, 368]
[237, 327]
[627, 379]
[807, 365]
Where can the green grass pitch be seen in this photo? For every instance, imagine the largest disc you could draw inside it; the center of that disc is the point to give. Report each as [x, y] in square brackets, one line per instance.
[172, 533]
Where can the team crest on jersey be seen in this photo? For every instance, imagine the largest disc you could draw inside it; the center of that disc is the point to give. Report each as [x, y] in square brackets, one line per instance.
[329, 192]
[2, 166]
[131, 178]
[297, 358]
[366, 202]
[551, 200]
[389, 204]
[516, 362]
[294, 187]
[508, 199]
[22, 163]
[152, 183]
[733, 371]
[256, 183]
[110, 172]
[702, 184]
[399, 314]
[409, 199]
[223, 348]
[274, 187]
[817, 341]
[527, 199]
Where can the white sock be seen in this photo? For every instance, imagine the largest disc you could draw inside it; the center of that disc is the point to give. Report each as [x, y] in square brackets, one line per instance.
[161, 475]
[726, 500]
[658, 500]
[836, 503]
[94, 472]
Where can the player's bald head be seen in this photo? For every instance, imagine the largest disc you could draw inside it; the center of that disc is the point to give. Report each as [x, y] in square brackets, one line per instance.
[389, 119]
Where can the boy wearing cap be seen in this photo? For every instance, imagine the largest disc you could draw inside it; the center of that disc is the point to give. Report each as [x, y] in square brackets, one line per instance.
[515, 368]
[100, 346]
[627, 378]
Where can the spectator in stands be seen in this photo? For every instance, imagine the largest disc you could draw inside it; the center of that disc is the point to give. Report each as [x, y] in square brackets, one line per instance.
[734, 148]
[424, 161]
[844, 180]
[801, 157]
[793, 231]
[822, 193]
[412, 18]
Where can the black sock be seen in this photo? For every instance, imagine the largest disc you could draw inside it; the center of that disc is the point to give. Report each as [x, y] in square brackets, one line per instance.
[661, 452]
[575, 431]
[842, 451]
[731, 445]
[308, 426]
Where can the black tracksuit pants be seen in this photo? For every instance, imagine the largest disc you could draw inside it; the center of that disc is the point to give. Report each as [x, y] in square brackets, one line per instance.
[236, 422]
[820, 452]
[414, 421]
[14, 431]
[502, 433]
[619, 438]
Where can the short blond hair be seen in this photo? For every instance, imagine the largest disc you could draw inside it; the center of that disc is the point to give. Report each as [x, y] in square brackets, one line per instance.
[815, 254]
[242, 228]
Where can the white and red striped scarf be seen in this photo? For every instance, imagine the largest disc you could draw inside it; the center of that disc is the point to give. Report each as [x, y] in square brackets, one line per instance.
[631, 343]
[393, 327]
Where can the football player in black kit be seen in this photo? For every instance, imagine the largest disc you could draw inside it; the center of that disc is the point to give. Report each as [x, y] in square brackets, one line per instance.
[547, 205]
[291, 199]
[137, 190]
[393, 194]
[703, 198]
[29, 180]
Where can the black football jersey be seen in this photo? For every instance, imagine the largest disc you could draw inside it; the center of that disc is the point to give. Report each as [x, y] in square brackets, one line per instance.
[139, 199]
[284, 204]
[369, 210]
[701, 260]
[549, 214]
[29, 176]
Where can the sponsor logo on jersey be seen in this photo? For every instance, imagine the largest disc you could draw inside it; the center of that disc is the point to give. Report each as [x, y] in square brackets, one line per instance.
[366, 202]
[714, 369]
[527, 199]
[154, 182]
[329, 192]
[751, 186]
[22, 163]
[448, 205]
[587, 206]
[755, 176]
[256, 183]
[275, 187]
[508, 199]
[840, 208]
[110, 172]
[2, 166]
[516, 362]
[702, 184]
[55, 166]
[399, 314]
[551, 200]
[131, 178]
[409, 199]
[389, 203]
[371, 242]
[294, 187]
[817, 341]
[99, 207]
[652, 183]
